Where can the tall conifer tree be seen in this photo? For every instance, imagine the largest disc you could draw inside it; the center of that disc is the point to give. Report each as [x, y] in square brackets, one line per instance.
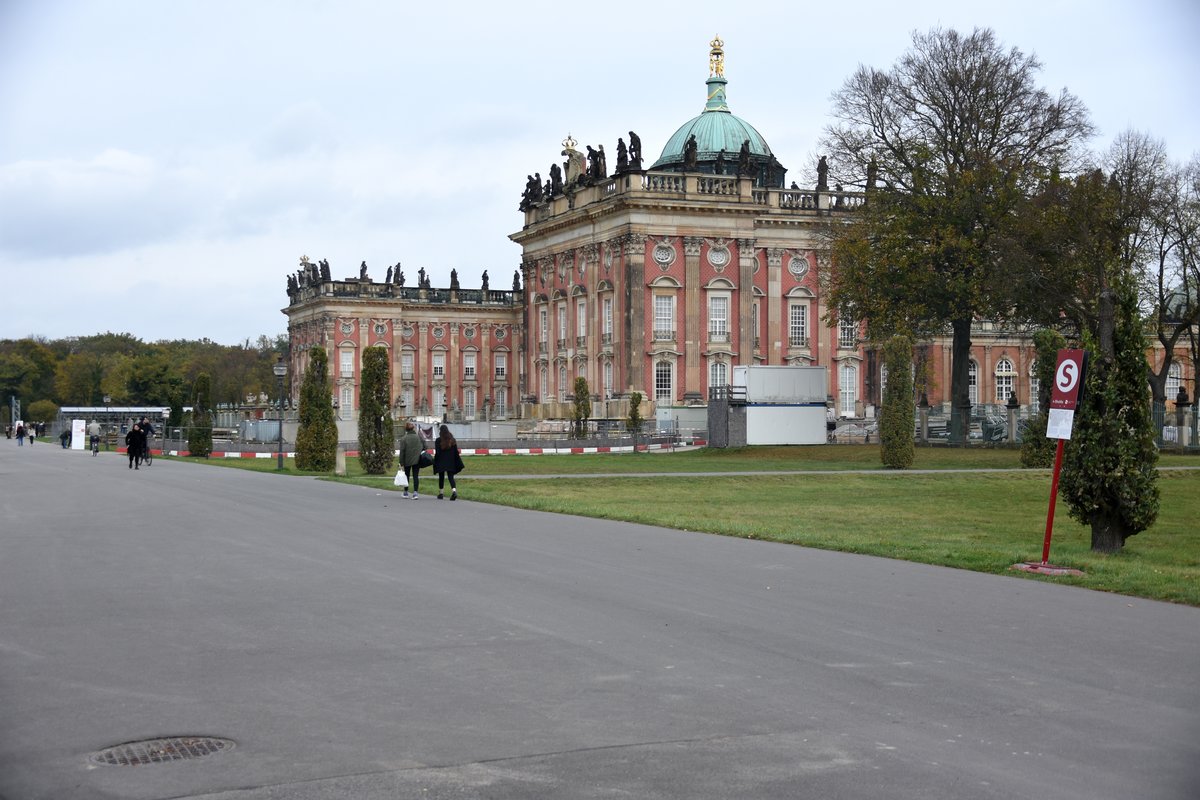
[317, 438]
[375, 431]
[200, 433]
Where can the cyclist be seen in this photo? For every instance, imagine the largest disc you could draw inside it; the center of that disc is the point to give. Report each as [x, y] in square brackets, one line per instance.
[148, 431]
[93, 430]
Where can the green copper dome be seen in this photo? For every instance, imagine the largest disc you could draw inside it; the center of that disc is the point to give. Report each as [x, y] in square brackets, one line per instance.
[718, 130]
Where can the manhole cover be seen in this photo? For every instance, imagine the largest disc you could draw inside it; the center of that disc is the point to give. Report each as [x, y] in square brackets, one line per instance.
[160, 751]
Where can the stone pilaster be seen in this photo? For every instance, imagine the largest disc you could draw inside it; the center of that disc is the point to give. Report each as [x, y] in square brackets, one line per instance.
[746, 332]
[634, 327]
[775, 305]
[693, 317]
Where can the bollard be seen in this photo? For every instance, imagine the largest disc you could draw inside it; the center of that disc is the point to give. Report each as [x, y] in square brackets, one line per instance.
[339, 467]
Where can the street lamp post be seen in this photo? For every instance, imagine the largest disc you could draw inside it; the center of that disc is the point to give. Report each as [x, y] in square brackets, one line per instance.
[280, 370]
[107, 421]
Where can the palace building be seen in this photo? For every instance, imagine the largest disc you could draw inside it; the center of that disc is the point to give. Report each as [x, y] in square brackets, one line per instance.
[654, 280]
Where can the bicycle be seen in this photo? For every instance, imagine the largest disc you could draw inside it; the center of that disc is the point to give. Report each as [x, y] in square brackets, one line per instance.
[147, 456]
[95, 445]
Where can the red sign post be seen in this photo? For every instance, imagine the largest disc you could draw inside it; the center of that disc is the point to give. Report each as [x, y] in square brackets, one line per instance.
[1068, 384]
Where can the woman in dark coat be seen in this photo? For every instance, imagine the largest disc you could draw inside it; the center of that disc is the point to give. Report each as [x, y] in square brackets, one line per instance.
[447, 461]
[135, 442]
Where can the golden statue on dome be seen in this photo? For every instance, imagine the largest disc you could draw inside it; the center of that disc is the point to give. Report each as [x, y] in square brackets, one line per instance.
[716, 58]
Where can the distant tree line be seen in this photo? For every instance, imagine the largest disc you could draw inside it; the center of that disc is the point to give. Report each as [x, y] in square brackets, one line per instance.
[80, 371]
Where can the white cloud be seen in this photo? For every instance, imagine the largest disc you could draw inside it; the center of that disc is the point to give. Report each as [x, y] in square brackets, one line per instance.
[211, 144]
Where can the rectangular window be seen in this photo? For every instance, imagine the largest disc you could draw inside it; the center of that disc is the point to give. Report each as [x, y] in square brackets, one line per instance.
[406, 401]
[439, 366]
[608, 379]
[347, 404]
[798, 325]
[501, 365]
[469, 366]
[754, 322]
[718, 318]
[543, 326]
[562, 321]
[469, 403]
[664, 317]
[847, 333]
[500, 408]
[581, 318]
[347, 366]
[406, 366]
[607, 315]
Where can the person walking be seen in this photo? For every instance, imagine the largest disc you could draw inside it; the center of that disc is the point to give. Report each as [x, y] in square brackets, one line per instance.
[20, 435]
[411, 448]
[447, 461]
[135, 440]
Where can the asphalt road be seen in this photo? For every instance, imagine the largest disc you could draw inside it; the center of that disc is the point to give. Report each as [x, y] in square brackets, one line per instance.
[356, 645]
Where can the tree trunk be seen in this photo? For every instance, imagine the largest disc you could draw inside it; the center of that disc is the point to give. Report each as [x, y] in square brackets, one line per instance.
[960, 397]
[1108, 535]
[1106, 325]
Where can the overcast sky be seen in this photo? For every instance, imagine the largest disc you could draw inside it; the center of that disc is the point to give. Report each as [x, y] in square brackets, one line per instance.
[164, 165]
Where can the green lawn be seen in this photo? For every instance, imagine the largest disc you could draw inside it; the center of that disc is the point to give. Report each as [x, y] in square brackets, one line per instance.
[983, 521]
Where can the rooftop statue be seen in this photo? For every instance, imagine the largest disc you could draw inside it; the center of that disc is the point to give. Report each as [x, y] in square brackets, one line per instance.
[822, 175]
[635, 152]
[556, 181]
[744, 166]
[622, 156]
[362, 272]
[398, 275]
[388, 279]
[575, 165]
[421, 278]
[454, 280]
[516, 281]
[689, 154]
[719, 169]
[325, 278]
[485, 281]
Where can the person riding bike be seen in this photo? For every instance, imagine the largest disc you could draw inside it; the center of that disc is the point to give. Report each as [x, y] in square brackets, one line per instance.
[93, 430]
[148, 432]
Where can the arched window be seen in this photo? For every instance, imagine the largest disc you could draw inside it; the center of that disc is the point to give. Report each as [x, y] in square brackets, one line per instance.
[563, 389]
[1005, 380]
[847, 389]
[608, 379]
[544, 384]
[663, 382]
[717, 372]
[1174, 379]
[973, 383]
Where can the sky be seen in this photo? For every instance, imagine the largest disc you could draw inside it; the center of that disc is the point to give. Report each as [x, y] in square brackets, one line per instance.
[164, 165]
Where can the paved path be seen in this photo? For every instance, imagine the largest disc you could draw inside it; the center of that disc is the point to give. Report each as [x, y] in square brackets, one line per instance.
[355, 645]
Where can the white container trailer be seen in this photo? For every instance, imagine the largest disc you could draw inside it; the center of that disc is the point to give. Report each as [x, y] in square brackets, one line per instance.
[784, 405]
[789, 385]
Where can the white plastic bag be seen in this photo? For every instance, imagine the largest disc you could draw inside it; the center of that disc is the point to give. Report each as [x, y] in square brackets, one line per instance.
[401, 479]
